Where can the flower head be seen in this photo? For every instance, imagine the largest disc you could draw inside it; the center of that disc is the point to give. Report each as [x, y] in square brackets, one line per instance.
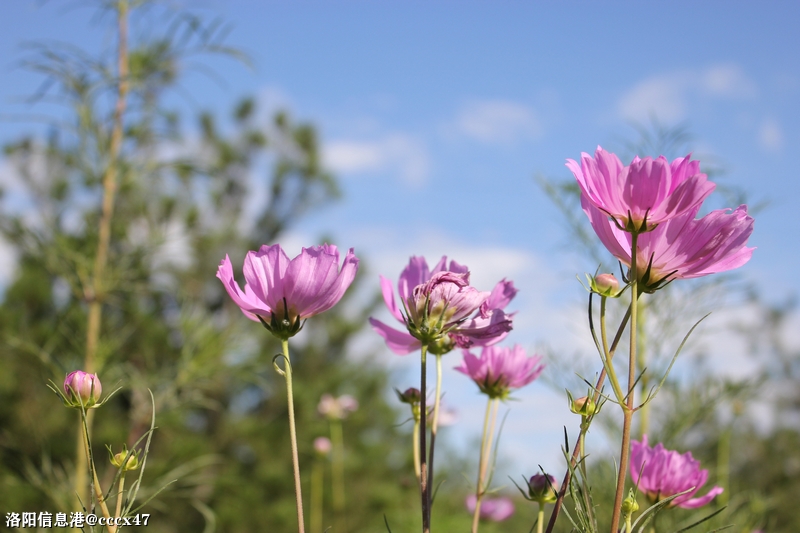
[322, 446]
[442, 310]
[499, 370]
[542, 488]
[665, 473]
[681, 248]
[281, 293]
[337, 408]
[82, 389]
[492, 509]
[645, 193]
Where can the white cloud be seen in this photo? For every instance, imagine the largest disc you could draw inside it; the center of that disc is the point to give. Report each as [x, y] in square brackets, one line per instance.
[400, 152]
[668, 96]
[770, 135]
[498, 121]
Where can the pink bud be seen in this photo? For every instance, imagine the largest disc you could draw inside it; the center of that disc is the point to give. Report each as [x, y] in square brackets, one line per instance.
[82, 388]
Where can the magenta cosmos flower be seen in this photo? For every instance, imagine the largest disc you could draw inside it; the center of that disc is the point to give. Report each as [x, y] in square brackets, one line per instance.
[281, 293]
[492, 509]
[444, 293]
[681, 248]
[665, 473]
[500, 369]
[643, 194]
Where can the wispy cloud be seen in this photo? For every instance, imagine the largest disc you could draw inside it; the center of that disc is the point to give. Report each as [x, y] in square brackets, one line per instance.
[498, 122]
[770, 135]
[668, 95]
[399, 153]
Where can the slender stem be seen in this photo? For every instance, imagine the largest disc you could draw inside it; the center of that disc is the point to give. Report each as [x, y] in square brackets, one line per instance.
[628, 523]
[423, 462]
[609, 355]
[120, 492]
[644, 416]
[627, 409]
[98, 490]
[94, 292]
[540, 519]
[415, 439]
[298, 491]
[317, 485]
[435, 425]
[486, 452]
[337, 470]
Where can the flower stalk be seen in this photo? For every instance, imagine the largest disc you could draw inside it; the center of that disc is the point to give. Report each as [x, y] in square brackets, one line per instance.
[287, 374]
[423, 461]
[489, 420]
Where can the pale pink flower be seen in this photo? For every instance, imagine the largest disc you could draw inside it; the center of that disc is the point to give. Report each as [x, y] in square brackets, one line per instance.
[665, 473]
[337, 408]
[499, 370]
[681, 248]
[643, 194]
[82, 388]
[443, 293]
[281, 293]
[492, 509]
[322, 445]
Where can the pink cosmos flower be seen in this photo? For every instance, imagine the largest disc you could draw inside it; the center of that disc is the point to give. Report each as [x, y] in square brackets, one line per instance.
[665, 473]
[500, 369]
[681, 248]
[337, 408]
[280, 292]
[643, 194]
[448, 297]
[322, 446]
[82, 388]
[492, 509]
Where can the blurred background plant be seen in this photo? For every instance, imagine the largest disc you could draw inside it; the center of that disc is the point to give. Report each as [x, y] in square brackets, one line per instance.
[167, 325]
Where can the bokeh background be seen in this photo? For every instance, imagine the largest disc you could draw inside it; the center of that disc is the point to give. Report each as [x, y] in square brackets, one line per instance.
[398, 129]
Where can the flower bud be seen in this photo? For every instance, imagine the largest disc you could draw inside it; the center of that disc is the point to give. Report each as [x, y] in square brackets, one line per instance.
[322, 446]
[82, 389]
[542, 488]
[132, 463]
[583, 406]
[605, 285]
[411, 396]
[629, 504]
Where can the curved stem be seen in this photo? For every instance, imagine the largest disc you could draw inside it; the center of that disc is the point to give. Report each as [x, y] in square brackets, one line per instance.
[627, 409]
[298, 491]
[423, 461]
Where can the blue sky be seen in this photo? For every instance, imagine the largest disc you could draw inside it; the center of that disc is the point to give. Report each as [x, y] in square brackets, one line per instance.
[437, 116]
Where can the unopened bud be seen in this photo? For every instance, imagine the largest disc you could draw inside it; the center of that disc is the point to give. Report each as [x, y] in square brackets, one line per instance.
[542, 488]
[583, 406]
[82, 389]
[410, 396]
[629, 504]
[131, 463]
[605, 285]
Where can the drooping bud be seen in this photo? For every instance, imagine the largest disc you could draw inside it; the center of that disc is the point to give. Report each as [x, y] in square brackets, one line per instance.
[131, 463]
[542, 488]
[82, 389]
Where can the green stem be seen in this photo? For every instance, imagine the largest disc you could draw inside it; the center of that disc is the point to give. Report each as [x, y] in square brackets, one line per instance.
[423, 461]
[540, 519]
[435, 425]
[317, 487]
[338, 465]
[415, 439]
[298, 491]
[483, 460]
[627, 409]
[644, 416]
